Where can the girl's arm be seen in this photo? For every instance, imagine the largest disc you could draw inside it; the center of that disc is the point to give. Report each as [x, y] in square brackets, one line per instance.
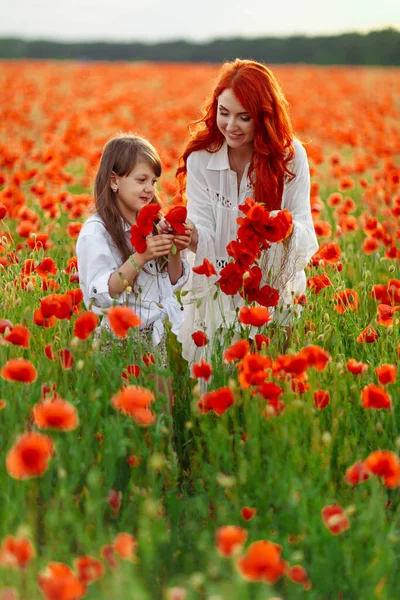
[157, 245]
[175, 267]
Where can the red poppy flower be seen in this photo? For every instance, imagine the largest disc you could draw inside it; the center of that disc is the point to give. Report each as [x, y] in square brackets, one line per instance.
[277, 228]
[318, 283]
[143, 226]
[28, 267]
[386, 374]
[292, 364]
[146, 217]
[236, 351]
[41, 321]
[335, 519]
[270, 390]
[346, 183]
[130, 371]
[30, 456]
[114, 500]
[330, 253]
[133, 461]
[218, 401]
[275, 407]
[3, 211]
[122, 318]
[108, 553]
[135, 401]
[46, 267]
[262, 562]
[357, 473]
[85, 324]
[387, 294]
[76, 296]
[58, 305]
[66, 358]
[386, 314]
[370, 245]
[176, 217]
[88, 569]
[244, 254]
[345, 300]
[72, 265]
[231, 279]
[148, 359]
[202, 370]
[73, 229]
[125, 545]
[356, 367]
[372, 396]
[266, 296]
[199, 338]
[298, 574]
[248, 513]
[322, 229]
[230, 539]
[16, 552]
[206, 268]
[19, 369]
[368, 335]
[321, 399]
[260, 340]
[256, 316]
[19, 336]
[253, 369]
[55, 413]
[58, 582]
[385, 464]
[315, 356]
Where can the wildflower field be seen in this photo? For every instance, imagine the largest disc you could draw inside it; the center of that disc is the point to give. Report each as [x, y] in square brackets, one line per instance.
[282, 479]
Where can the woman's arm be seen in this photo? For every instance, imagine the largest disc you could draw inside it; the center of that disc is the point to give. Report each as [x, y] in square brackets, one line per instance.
[296, 199]
[200, 209]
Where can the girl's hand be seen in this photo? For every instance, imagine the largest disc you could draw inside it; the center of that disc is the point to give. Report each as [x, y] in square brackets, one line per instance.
[182, 241]
[157, 245]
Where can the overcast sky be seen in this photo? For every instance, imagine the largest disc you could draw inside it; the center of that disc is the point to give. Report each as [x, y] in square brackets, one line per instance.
[199, 20]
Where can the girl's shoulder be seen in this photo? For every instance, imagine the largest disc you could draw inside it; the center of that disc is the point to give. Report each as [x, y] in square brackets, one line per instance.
[94, 225]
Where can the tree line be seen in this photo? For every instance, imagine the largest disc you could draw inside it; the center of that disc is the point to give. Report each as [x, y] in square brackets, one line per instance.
[374, 48]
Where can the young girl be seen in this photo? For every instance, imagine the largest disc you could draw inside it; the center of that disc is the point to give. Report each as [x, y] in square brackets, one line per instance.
[107, 262]
[244, 147]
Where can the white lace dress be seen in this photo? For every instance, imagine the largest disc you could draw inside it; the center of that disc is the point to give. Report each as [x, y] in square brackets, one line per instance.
[213, 202]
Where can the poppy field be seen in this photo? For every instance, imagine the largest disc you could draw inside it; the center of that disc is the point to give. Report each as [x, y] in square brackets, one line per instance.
[281, 477]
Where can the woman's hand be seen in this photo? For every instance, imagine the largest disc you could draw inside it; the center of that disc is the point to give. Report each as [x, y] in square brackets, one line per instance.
[183, 241]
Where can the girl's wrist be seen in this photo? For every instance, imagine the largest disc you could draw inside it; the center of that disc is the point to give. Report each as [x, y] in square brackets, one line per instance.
[137, 261]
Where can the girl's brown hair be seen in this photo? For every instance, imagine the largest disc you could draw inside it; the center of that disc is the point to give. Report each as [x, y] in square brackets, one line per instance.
[257, 90]
[120, 155]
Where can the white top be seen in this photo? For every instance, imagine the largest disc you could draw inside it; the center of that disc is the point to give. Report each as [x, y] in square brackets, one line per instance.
[213, 201]
[152, 298]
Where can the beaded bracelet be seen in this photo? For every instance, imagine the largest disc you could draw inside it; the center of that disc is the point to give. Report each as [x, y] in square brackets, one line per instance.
[131, 260]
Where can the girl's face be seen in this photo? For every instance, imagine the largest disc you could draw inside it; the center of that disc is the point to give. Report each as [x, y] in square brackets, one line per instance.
[233, 121]
[134, 190]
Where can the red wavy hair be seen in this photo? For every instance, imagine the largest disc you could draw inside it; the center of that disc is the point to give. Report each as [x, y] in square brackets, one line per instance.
[257, 90]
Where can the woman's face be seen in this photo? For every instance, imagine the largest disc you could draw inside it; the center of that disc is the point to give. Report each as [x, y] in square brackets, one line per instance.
[233, 121]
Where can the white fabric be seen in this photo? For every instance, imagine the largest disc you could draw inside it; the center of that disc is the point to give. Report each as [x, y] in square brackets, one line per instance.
[152, 298]
[213, 202]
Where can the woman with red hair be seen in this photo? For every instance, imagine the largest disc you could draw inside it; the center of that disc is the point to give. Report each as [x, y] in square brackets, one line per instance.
[243, 147]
